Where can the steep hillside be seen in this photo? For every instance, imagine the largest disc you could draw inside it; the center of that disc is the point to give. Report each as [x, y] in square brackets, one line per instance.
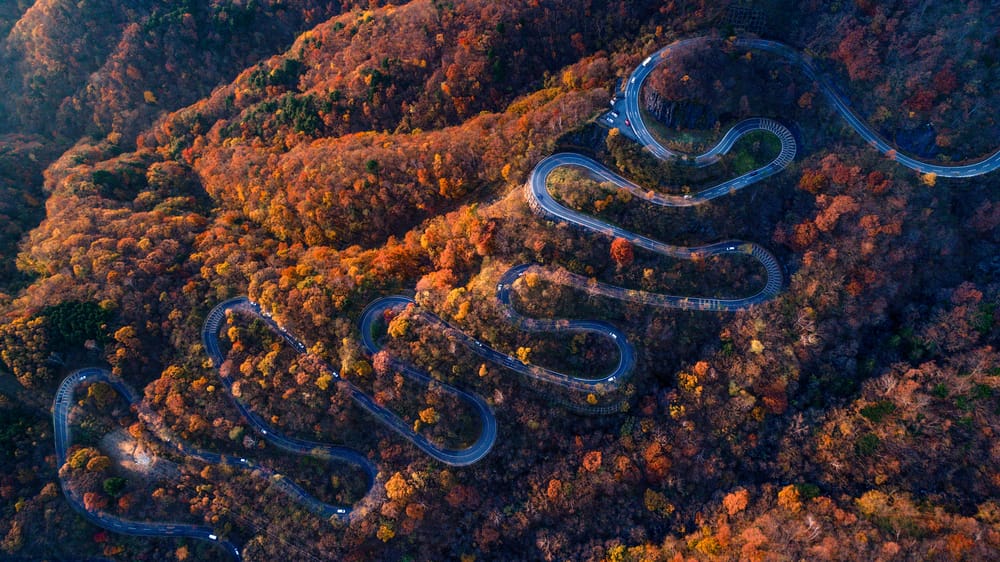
[160, 157]
[74, 72]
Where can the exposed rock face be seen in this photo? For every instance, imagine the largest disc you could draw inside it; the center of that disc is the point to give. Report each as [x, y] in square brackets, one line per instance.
[678, 114]
[920, 141]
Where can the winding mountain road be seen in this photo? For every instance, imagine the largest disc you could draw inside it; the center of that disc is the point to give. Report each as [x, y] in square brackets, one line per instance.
[538, 196]
[63, 437]
[808, 67]
[626, 353]
[210, 338]
[454, 457]
[541, 201]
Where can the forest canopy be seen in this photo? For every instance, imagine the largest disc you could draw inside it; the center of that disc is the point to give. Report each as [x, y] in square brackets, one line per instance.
[158, 158]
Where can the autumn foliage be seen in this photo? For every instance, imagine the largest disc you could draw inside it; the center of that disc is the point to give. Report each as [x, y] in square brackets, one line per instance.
[159, 157]
[622, 252]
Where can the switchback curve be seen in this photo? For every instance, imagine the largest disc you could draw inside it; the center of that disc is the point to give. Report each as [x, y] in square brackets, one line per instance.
[805, 63]
[454, 457]
[63, 437]
[542, 202]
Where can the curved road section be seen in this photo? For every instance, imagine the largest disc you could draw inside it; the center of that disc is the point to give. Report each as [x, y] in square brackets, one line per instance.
[454, 457]
[378, 308]
[63, 436]
[543, 202]
[805, 63]
[210, 338]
